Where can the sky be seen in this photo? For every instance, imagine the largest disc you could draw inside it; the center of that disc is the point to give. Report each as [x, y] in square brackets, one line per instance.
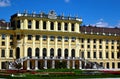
[103, 13]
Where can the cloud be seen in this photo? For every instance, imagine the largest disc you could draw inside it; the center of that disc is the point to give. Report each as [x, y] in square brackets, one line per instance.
[5, 3]
[67, 1]
[101, 23]
[118, 24]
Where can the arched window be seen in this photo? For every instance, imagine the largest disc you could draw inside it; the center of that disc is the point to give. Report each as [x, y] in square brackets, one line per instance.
[66, 53]
[44, 52]
[52, 26]
[73, 53]
[17, 52]
[51, 52]
[59, 53]
[37, 52]
[29, 53]
[59, 26]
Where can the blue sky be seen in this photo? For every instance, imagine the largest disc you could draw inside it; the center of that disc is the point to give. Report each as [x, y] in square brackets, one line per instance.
[105, 13]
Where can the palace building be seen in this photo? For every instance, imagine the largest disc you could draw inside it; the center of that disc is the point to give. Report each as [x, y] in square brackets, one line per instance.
[50, 41]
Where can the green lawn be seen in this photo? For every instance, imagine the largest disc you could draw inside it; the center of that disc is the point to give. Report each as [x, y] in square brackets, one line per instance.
[60, 74]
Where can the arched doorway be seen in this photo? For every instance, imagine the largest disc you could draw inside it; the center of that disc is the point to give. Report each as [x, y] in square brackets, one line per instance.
[51, 52]
[37, 52]
[73, 53]
[66, 53]
[29, 52]
[17, 52]
[44, 52]
[59, 53]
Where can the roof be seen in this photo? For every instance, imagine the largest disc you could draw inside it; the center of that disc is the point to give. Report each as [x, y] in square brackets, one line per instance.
[100, 30]
[4, 24]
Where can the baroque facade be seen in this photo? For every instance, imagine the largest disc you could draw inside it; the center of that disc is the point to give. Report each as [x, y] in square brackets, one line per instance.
[45, 40]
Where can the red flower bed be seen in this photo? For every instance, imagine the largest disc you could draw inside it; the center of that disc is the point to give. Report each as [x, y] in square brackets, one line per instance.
[111, 72]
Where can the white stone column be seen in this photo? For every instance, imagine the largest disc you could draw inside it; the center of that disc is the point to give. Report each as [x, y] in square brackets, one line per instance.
[48, 25]
[41, 47]
[7, 46]
[25, 24]
[73, 64]
[45, 63]
[33, 46]
[80, 64]
[28, 64]
[36, 64]
[55, 24]
[53, 63]
[41, 25]
[33, 24]
[62, 47]
[68, 63]
[55, 53]
[48, 47]
[69, 27]
[25, 45]
[97, 47]
[69, 50]
[62, 24]
[103, 49]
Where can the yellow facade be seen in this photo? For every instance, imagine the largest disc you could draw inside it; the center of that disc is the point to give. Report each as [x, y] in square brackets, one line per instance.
[35, 36]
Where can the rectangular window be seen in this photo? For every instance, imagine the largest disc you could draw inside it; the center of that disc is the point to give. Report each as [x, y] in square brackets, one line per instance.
[73, 28]
[118, 64]
[100, 41]
[29, 24]
[3, 36]
[113, 65]
[107, 41]
[44, 25]
[66, 26]
[37, 37]
[29, 37]
[52, 38]
[73, 39]
[88, 46]
[94, 40]
[82, 46]
[106, 47]
[11, 43]
[88, 40]
[11, 36]
[112, 54]
[106, 54]
[44, 38]
[100, 55]
[18, 37]
[11, 53]
[107, 65]
[94, 54]
[82, 40]
[59, 26]
[59, 38]
[66, 39]
[112, 41]
[3, 43]
[37, 24]
[88, 55]
[94, 46]
[3, 65]
[2, 53]
[112, 47]
[100, 47]
[52, 26]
